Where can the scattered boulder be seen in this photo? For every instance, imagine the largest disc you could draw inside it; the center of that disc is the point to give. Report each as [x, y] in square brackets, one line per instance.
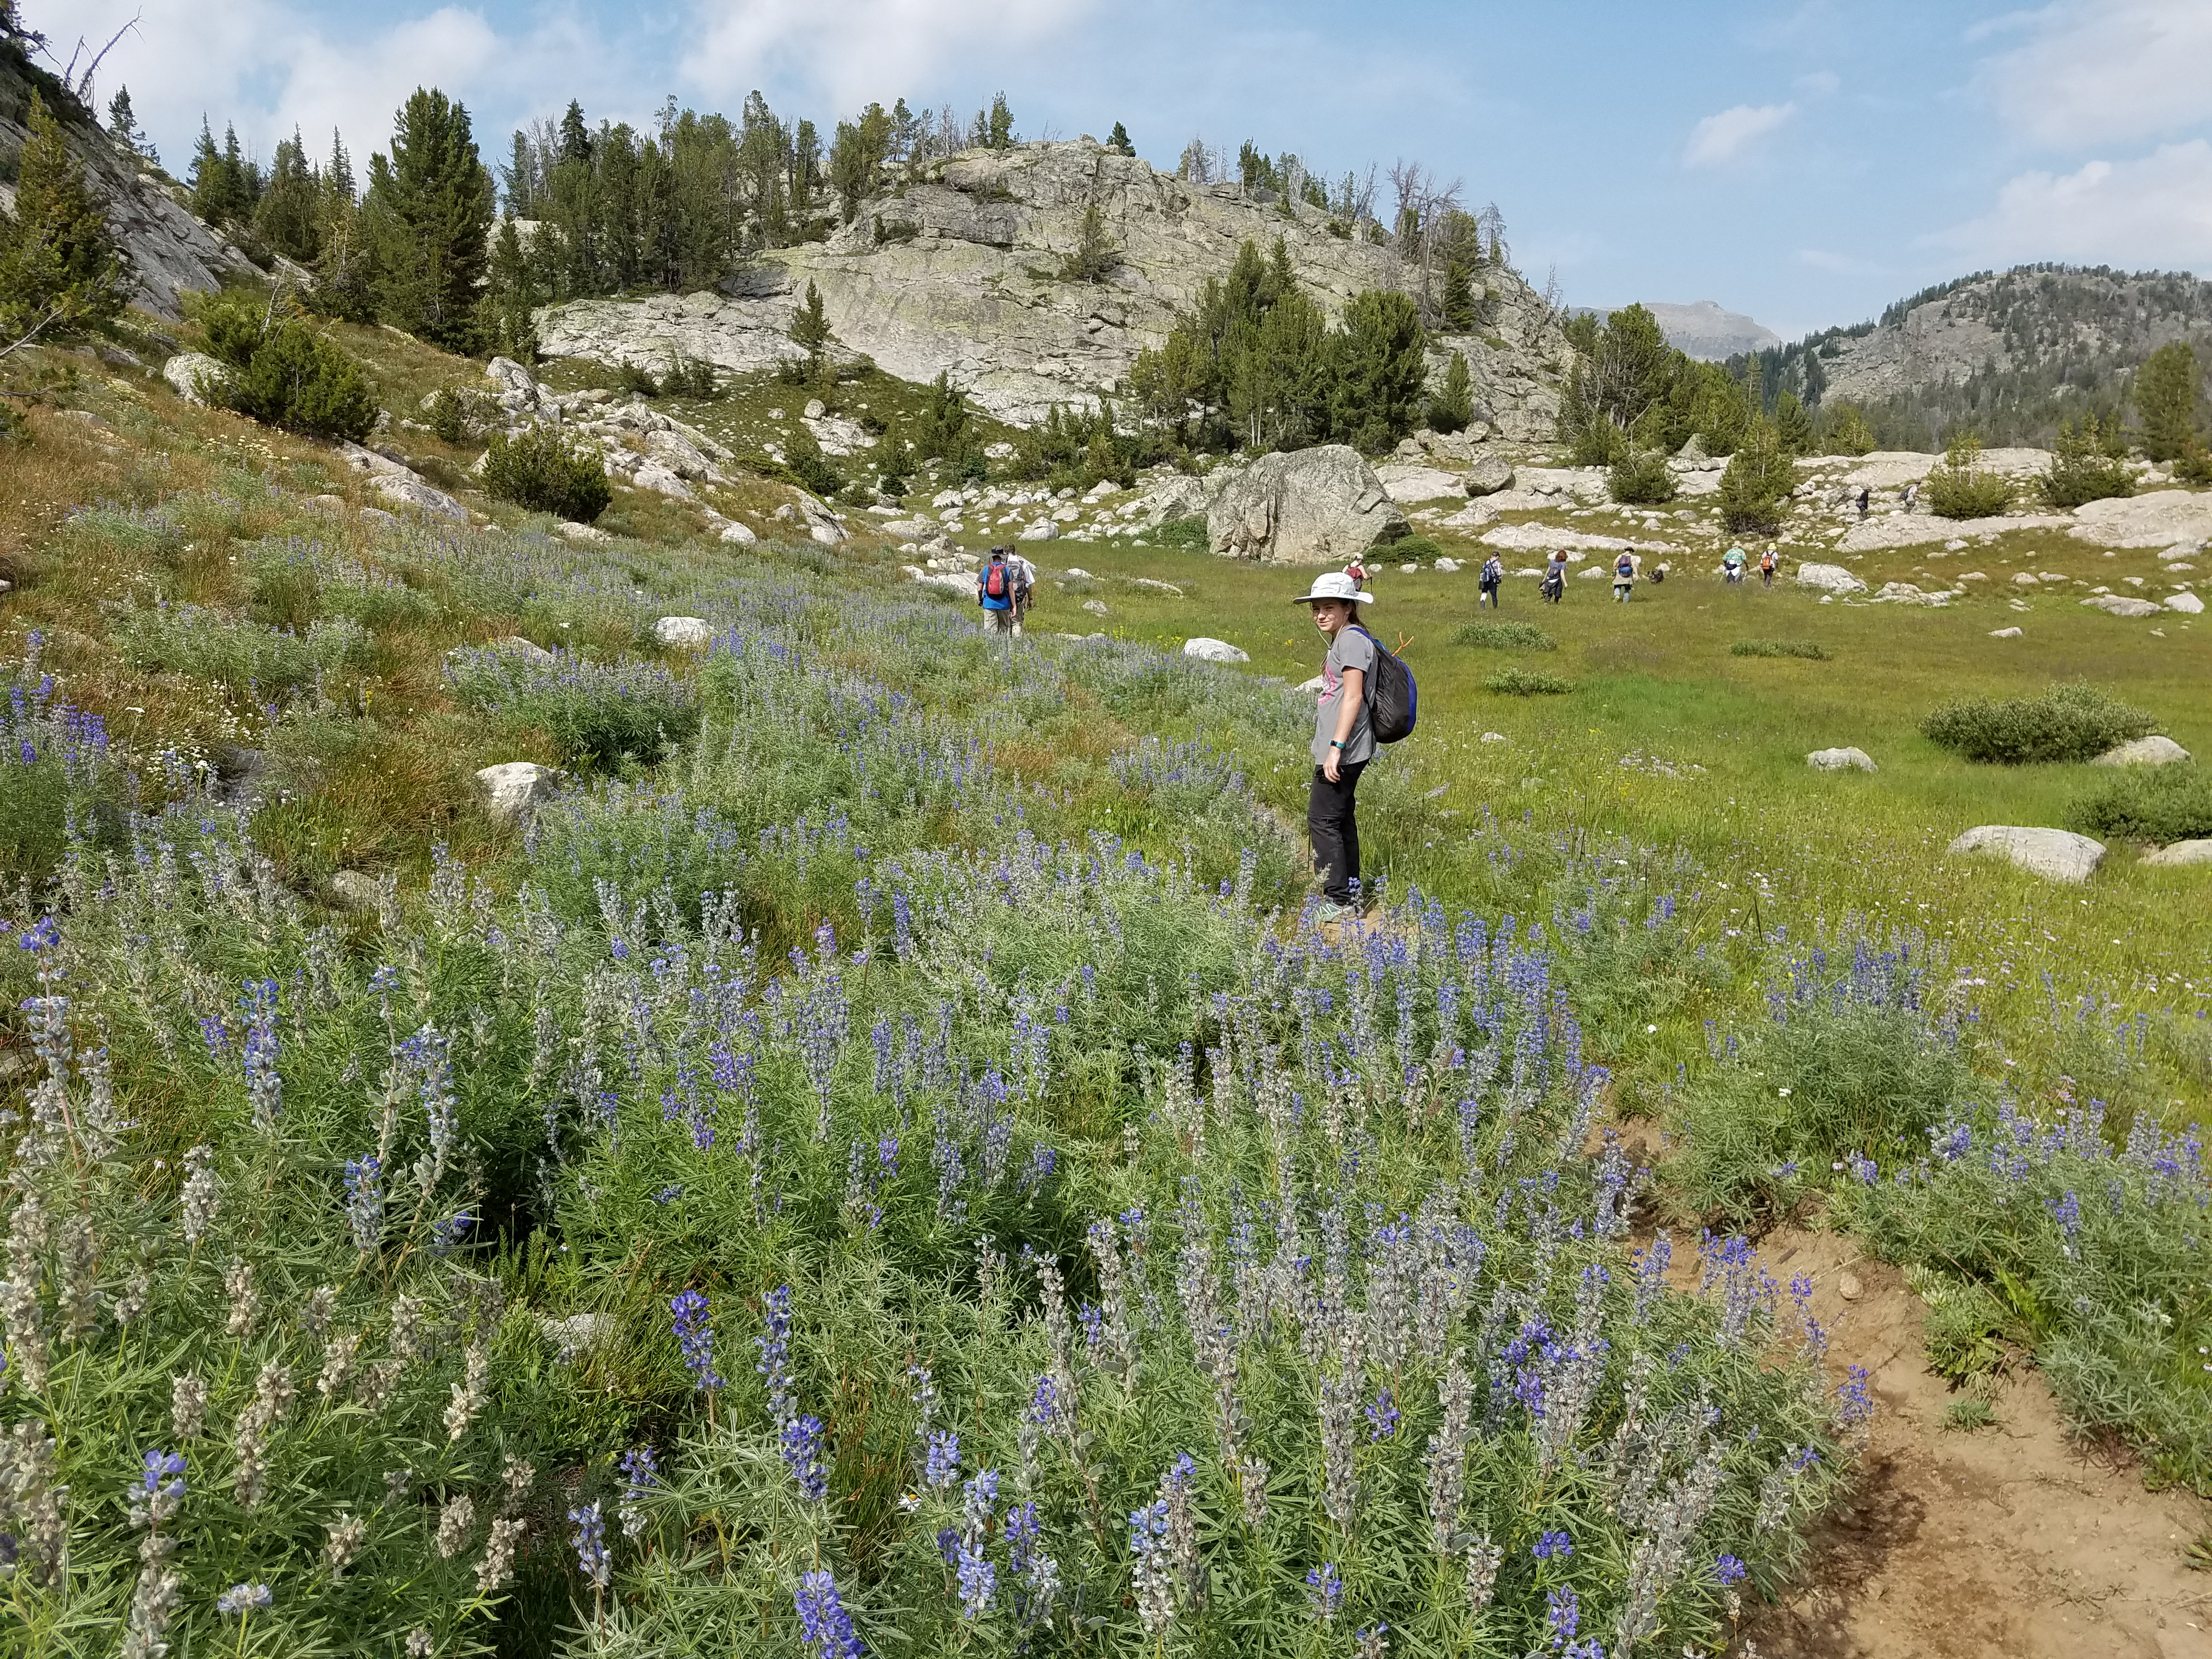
[2004, 632]
[2180, 852]
[651, 475]
[908, 529]
[2119, 604]
[1495, 737]
[1840, 760]
[1316, 683]
[2154, 751]
[194, 374]
[1207, 650]
[1095, 607]
[740, 534]
[1154, 585]
[1415, 482]
[377, 515]
[1044, 530]
[1448, 567]
[1319, 505]
[407, 490]
[515, 790]
[2159, 518]
[590, 534]
[1489, 475]
[515, 646]
[684, 633]
[1829, 578]
[823, 526]
[2187, 604]
[2056, 855]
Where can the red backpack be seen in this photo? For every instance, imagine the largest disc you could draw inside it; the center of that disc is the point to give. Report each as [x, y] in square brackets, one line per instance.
[995, 580]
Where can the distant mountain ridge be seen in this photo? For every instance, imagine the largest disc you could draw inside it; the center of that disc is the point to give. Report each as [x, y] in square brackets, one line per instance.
[2008, 354]
[1704, 331]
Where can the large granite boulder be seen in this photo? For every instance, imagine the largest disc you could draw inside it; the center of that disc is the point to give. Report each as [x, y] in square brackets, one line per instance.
[2153, 751]
[1319, 505]
[1829, 579]
[1489, 475]
[2056, 854]
[515, 790]
[193, 375]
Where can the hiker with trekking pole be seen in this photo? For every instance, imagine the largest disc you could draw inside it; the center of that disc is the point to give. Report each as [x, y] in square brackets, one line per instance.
[1367, 698]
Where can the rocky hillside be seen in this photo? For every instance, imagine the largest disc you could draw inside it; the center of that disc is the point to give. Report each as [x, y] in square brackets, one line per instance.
[1702, 330]
[168, 249]
[960, 275]
[2009, 354]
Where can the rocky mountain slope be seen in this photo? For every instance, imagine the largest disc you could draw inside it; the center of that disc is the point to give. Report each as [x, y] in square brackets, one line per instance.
[2011, 354]
[960, 275]
[170, 251]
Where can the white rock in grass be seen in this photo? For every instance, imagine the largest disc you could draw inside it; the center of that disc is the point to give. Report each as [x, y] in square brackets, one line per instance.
[356, 890]
[1495, 737]
[1830, 578]
[2180, 852]
[739, 534]
[2154, 751]
[684, 633]
[515, 789]
[590, 534]
[413, 492]
[2188, 604]
[1315, 684]
[2058, 854]
[1044, 530]
[1095, 607]
[2118, 605]
[2004, 632]
[1840, 760]
[515, 646]
[1207, 650]
[194, 374]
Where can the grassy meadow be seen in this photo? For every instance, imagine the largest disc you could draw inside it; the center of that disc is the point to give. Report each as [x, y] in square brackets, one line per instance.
[886, 1159]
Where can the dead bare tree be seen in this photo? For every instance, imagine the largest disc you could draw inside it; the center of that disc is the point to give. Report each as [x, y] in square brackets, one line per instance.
[79, 81]
[1424, 205]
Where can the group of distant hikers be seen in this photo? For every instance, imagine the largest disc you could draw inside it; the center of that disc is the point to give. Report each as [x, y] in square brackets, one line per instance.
[1366, 695]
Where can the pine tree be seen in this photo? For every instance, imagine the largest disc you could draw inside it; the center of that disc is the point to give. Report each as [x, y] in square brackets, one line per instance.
[1095, 256]
[1453, 407]
[122, 125]
[1793, 426]
[512, 295]
[809, 329]
[1845, 430]
[1118, 141]
[60, 273]
[1379, 372]
[1456, 304]
[1758, 479]
[576, 136]
[428, 216]
[1002, 124]
[290, 214]
[218, 182]
[2166, 395]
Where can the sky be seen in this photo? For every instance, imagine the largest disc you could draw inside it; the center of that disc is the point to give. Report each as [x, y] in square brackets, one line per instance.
[1806, 164]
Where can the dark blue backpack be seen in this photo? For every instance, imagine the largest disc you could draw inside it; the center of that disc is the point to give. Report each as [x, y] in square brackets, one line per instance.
[1393, 698]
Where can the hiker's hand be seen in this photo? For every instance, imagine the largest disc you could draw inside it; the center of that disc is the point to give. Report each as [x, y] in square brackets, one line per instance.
[1329, 767]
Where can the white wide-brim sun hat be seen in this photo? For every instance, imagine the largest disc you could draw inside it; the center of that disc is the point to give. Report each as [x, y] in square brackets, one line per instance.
[1335, 585]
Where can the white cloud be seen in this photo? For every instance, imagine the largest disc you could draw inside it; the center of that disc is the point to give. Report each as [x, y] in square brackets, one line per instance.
[1721, 138]
[848, 51]
[2154, 210]
[2101, 71]
[1841, 264]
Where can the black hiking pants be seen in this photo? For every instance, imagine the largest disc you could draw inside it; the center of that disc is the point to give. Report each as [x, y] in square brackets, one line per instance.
[1333, 831]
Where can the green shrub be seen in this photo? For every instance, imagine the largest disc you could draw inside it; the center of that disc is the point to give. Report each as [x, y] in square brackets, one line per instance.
[630, 377]
[1408, 548]
[1640, 478]
[1808, 649]
[1851, 1063]
[457, 414]
[1188, 533]
[1758, 480]
[2159, 804]
[1961, 488]
[214, 645]
[540, 469]
[596, 714]
[2087, 463]
[691, 376]
[2072, 722]
[1504, 636]
[1598, 442]
[284, 373]
[813, 468]
[1524, 682]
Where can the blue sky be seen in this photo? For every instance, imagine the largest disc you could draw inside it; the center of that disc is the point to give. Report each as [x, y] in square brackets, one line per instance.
[1805, 164]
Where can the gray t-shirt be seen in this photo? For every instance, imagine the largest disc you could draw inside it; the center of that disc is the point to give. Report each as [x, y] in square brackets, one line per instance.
[1352, 648]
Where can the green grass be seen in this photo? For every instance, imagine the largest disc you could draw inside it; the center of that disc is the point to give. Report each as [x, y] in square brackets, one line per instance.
[1811, 650]
[1504, 636]
[1526, 683]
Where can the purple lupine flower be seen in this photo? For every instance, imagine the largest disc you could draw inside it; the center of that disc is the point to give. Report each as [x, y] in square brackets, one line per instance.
[801, 1442]
[826, 1628]
[158, 1491]
[942, 1466]
[445, 1234]
[2068, 1212]
[263, 1087]
[1324, 1592]
[1383, 1417]
[364, 1185]
[774, 1343]
[1854, 1405]
[695, 1334]
[1549, 1545]
[1728, 1570]
[589, 1536]
[241, 1599]
[1563, 1613]
[978, 1580]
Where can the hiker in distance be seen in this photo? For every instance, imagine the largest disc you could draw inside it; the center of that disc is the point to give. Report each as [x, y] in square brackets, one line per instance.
[1493, 578]
[998, 591]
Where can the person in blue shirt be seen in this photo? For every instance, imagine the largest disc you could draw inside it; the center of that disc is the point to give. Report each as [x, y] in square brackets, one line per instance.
[996, 587]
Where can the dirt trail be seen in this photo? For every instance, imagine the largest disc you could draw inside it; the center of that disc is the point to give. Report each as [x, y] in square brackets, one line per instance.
[2010, 1542]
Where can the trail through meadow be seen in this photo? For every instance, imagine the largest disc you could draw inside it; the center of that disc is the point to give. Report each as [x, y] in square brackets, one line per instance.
[2014, 1541]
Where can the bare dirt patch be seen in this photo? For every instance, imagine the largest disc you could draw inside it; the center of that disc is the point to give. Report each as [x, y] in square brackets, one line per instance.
[2016, 1542]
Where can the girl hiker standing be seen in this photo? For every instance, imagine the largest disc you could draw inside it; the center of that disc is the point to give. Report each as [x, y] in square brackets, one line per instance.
[1493, 578]
[1623, 575]
[1343, 741]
